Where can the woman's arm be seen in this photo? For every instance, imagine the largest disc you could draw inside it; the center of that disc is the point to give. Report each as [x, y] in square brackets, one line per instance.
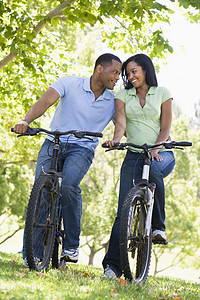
[165, 125]
[120, 125]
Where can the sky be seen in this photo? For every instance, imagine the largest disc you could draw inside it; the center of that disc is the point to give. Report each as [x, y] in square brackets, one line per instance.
[181, 74]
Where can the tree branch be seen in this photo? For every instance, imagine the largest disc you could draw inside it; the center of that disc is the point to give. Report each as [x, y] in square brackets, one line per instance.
[11, 235]
[8, 216]
[15, 162]
[53, 14]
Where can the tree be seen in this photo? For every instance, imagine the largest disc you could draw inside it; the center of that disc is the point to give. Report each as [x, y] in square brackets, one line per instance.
[197, 114]
[23, 21]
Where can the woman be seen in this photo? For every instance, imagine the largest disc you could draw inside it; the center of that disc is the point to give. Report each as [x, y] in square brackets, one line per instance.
[144, 113]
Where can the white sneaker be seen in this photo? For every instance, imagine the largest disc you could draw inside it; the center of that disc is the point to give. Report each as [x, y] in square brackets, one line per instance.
[70, 255]
[109, 273]
[159, 235]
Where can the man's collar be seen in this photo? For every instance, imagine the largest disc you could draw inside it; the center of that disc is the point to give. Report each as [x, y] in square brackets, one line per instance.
[86, 87]
[86, 84]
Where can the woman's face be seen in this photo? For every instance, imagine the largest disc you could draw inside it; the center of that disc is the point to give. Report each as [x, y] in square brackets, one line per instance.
[136, 75]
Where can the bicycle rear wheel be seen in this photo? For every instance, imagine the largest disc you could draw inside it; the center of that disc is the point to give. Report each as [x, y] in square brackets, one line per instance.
[135, 246]
[41, 218]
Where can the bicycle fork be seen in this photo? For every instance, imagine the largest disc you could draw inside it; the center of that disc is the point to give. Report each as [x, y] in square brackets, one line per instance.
[149, 197]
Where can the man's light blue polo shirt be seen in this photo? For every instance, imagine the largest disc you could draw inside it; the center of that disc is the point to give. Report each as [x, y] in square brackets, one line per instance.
[78, 110]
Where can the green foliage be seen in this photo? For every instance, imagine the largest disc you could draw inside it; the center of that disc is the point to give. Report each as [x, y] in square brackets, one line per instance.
[14, 190]
[128, 24]
[83, 282]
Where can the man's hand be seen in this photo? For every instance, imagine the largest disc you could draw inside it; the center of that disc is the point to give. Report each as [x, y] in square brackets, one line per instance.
[21, 127]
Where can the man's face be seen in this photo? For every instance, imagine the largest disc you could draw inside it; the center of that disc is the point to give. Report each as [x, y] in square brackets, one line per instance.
[109, 74]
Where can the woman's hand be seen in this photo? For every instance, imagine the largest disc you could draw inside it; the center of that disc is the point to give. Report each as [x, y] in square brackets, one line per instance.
[155, 155]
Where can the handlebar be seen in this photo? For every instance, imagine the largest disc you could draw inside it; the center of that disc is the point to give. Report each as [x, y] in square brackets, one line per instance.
[167, 145]
[77, 133]
[181, 144]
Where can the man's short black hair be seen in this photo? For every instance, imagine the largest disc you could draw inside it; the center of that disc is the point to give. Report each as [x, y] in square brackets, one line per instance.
[106, 59]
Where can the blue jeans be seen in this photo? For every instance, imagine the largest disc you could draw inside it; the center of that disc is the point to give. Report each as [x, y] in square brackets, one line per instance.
[132, 170]
[74, 161]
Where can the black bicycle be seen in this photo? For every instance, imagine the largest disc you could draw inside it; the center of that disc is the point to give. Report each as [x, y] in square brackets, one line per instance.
[136, 217]
[43, 226]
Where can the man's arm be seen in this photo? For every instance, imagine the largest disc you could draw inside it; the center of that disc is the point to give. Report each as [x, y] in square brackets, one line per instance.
[37, 110]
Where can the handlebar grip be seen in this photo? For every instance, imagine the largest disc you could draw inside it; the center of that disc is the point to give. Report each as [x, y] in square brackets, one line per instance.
[105, 146]
[96, 134]
[30, 131]
[183, 144]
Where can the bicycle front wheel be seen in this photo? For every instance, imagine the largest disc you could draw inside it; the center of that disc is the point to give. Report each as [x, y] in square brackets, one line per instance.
[135, 246]
[40, 226]
[57, 263]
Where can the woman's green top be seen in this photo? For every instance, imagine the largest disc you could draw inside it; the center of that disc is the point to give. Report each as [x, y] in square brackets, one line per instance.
[143, 123]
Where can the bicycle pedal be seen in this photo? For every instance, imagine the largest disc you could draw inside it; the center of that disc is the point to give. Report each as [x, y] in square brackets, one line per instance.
[66, 258]
[157, 242]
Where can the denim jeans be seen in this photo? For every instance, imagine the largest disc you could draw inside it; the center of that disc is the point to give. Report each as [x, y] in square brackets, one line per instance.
[132, 170]
[74, 161]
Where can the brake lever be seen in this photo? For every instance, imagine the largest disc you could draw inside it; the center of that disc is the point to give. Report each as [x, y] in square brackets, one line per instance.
[181, 148]
[116, 148]
[23, 134]
[79, 135]
[110, 149]
[88, 138]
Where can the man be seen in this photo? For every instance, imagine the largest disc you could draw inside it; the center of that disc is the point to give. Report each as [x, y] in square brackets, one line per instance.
[85, 104]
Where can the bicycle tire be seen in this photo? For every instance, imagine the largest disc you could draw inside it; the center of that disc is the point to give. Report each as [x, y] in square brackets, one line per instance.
[135, 248]
[59, 240]
[55, 255]
[41, 219]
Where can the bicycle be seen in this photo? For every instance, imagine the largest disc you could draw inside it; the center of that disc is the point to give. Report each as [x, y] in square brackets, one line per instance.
[136, 216]
[43, 224]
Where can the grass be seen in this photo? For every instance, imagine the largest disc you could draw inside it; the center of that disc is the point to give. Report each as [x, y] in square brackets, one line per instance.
[83, 282]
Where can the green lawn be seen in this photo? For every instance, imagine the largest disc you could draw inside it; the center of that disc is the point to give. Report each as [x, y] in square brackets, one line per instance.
[83, 282]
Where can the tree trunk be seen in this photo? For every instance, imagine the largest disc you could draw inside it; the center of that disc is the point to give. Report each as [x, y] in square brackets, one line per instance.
[91, 256]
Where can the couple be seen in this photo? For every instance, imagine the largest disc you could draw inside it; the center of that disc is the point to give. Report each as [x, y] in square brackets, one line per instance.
[143, 111]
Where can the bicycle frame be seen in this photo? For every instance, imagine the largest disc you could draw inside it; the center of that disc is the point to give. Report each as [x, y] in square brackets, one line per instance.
[149, 189]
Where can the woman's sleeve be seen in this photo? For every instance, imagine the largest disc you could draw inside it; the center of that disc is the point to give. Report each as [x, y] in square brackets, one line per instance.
[166, 95]
[121, 95]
